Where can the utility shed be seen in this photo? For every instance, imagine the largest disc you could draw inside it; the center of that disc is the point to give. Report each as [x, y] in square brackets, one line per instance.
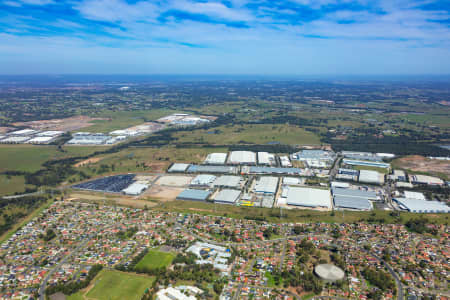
[194, 195]
[266, 185]
[216, 159]
[345, 202]
[309, 197]
[227, 196]
[422, 206]
[180, 168]
[368, 176]
[228, 181]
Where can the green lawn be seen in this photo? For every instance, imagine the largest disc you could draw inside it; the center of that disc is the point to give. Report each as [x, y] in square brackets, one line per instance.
[155, 259]
[30, 158]
[11, 184]
[112, 285]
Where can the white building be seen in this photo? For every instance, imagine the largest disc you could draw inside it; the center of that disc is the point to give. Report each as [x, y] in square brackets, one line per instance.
[309, 197]
[216, 159]
[242, 158]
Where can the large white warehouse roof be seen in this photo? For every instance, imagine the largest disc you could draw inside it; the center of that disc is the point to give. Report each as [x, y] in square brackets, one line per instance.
[423, 206]
[266, 185]
[216, 159]
[309, 197]
[242, 157]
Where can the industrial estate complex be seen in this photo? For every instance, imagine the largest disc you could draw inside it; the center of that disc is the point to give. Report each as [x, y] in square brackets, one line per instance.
[322, 180]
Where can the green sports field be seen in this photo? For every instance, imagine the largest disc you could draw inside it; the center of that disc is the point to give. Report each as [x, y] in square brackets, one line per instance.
[115, 285]
[155, 259]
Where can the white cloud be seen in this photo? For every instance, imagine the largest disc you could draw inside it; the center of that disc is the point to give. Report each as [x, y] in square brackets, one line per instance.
[213, 9]
[117, 10]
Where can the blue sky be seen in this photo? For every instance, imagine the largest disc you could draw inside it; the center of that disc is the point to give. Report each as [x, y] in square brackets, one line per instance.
[268, 37]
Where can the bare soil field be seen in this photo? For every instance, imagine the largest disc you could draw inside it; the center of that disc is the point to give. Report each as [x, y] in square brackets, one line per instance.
[163, 193]
[158, 167]
[67, 124]
[422, 164]
[119, 200]
[176, 181]
[88, 162]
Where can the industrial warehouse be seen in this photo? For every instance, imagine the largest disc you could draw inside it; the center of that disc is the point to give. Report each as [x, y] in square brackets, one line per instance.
[262, 179]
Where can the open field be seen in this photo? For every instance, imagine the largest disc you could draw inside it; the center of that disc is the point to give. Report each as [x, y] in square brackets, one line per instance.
[155, 259]
[251, 134]
[29, 158]
[109, 120]
[110, 285]
[12, 184]
[422, 164]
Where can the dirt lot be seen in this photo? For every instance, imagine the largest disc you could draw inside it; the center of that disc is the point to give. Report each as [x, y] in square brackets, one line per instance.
[87, 162]
[422, 164]
[157, 167]
[162, 193]
[67, 124]
[177, 181]
[119, 200]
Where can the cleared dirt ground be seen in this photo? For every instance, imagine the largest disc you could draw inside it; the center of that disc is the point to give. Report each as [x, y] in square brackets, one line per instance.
[87, 162]
[163, 193]
[119, 200]
[422, 164]
[176, 181]
[67, 124]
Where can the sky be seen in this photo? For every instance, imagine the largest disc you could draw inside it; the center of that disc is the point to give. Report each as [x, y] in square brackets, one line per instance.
[264, 37]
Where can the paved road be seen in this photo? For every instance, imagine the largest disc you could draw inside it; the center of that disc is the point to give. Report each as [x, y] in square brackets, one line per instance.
[22, 195]
[58, 266]
[283, 254]
[398, 283]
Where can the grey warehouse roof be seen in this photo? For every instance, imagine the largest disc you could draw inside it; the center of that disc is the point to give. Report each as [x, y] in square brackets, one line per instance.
[197, 195]
[212, 169]
[423, 206]
[352, 203]
[266, 185]
[354, 193]
[228, 181]
[272, 170]
[227, 196]
[203, 179]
